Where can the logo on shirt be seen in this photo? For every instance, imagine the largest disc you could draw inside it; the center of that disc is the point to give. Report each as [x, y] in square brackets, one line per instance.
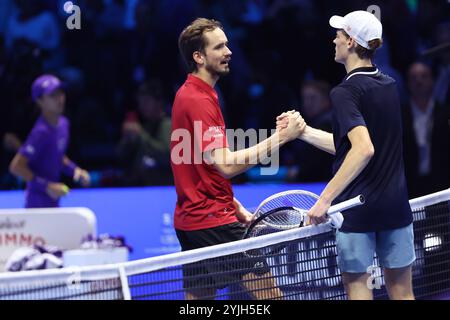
[29, 149]
[216, 132]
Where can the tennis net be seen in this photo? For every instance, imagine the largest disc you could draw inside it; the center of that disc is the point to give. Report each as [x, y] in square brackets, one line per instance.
[298, 264]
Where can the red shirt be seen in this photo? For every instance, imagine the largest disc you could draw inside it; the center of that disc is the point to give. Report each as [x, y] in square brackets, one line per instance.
[204, 197]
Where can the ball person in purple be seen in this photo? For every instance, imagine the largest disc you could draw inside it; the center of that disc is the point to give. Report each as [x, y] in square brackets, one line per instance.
[41, 159]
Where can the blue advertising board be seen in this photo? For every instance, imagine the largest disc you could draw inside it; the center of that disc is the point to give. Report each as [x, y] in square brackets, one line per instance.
[144, 216]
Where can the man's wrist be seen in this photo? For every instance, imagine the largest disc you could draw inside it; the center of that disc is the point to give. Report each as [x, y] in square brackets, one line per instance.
[69, 169]
[305, 133]
[280, 137]
[326, 198]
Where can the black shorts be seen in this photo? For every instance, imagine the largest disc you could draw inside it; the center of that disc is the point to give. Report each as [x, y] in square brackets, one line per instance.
[222, 271]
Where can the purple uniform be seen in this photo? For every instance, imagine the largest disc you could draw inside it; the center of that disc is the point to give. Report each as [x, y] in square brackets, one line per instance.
[45, 148]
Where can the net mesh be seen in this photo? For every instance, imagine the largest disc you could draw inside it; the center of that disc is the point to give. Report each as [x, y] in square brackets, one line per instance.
[104, 289]
[303, 268]
[303, 200]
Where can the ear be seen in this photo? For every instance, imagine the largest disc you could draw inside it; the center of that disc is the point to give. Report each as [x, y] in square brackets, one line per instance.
[351, 43]
[198, 57]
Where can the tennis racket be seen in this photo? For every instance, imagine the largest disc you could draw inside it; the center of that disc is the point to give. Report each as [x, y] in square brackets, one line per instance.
[287, 210]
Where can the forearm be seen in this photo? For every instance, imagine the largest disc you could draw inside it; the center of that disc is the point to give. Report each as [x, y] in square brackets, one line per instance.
[66, 161]
[319, 138]
[242, 214]
[24, 173]
[234, 163]
[19, 168]
[355, 162]
[237, 204]
[69, 167]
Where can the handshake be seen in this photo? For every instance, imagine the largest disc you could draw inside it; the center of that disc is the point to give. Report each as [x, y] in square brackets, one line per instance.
[290, 125]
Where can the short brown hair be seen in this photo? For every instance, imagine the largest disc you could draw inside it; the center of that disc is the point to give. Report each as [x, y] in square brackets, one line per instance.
[364, 53]
[191, 39]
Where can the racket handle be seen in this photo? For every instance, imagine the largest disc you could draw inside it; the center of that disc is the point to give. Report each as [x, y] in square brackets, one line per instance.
[353, 202]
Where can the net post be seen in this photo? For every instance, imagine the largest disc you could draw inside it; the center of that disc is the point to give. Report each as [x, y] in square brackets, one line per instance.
[124, 282]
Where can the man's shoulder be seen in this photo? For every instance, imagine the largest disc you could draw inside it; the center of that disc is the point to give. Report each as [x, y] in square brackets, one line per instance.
[64, 122]
[363, 80]
[359, 83]
[39, 129]
[187, 100]
[189, 91]
[345, 88]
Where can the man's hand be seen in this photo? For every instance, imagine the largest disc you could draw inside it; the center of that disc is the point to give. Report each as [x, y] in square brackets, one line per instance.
[290, 125]
[318, 213]
[244, 216]
[56, 190]
[82, 176]
[131, 128]
[283, 120]
[11, 142]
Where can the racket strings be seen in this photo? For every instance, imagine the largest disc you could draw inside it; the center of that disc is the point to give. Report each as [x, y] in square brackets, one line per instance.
[302, 201]
[285, 219]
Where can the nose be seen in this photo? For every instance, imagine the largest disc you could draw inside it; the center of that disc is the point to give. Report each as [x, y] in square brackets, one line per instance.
[228, 52]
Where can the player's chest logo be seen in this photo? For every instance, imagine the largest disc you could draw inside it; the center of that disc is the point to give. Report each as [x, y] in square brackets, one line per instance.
[216, 131]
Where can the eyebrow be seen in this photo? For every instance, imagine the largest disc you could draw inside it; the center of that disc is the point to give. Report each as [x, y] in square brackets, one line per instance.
[221, 45]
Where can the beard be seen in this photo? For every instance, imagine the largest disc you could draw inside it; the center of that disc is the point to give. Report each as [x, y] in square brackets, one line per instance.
[214, 71]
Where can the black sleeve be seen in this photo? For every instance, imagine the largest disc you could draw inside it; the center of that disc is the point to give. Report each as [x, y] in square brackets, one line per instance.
[346, 110]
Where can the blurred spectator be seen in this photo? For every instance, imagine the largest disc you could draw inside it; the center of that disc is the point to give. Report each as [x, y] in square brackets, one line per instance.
[383, 62]
[6, 6]
[441, 90]
[144, 43]
[17, 113]
[31, 25]
[41, 159]
[309, 163]
[143, 150]
[426, 134]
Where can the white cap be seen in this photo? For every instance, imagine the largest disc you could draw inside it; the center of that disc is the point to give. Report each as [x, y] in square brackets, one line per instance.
[362, 26]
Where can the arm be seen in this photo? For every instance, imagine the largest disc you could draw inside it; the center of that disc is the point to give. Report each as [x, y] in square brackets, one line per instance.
[231, 163]
[356, 160]
[75, 172]
[19, 167]
[243, 215]
[319, 139]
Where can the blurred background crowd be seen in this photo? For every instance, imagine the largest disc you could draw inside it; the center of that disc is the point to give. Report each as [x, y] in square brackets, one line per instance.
[122, 69]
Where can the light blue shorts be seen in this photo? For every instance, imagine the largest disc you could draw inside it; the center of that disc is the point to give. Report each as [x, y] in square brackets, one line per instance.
[394, 249]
